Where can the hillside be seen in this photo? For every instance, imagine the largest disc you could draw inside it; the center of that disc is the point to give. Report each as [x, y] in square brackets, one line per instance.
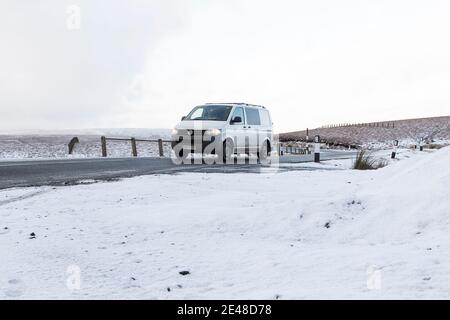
[436, 128]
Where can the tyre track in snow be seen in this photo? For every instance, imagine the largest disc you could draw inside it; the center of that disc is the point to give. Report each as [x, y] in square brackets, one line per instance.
[24, 196]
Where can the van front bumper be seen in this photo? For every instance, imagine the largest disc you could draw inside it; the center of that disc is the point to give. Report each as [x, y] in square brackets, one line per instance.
[191, 145]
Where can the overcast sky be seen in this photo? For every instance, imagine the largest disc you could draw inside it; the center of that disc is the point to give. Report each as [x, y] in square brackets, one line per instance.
[146, 63]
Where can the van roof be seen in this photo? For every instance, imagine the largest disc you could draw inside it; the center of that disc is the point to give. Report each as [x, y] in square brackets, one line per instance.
[238, 103]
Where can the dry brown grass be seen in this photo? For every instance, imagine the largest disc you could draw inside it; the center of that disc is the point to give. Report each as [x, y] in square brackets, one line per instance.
[365, 161]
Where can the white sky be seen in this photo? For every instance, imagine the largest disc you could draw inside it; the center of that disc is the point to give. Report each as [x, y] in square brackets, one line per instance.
[143, 63]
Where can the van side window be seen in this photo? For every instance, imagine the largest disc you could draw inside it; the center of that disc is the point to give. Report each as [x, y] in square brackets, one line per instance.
[253, 116]
[238, 112]
[265, 118]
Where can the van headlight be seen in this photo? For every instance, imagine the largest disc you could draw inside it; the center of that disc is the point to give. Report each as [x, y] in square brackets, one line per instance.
[212, 132]
[174, 132]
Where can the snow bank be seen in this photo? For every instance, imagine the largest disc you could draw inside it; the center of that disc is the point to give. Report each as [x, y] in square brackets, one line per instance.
[415, 199]
[400, 201]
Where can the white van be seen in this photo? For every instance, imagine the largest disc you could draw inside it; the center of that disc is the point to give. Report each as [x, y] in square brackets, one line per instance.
[224, 129]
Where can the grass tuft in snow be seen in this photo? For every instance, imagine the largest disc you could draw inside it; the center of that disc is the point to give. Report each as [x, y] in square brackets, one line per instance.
[365, 161]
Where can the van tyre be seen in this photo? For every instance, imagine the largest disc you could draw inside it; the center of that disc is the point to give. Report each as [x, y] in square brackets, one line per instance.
[228, 150]
[181, 156]
[263, 154]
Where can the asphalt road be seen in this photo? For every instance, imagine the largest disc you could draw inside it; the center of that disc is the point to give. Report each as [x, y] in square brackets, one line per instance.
[73, 171]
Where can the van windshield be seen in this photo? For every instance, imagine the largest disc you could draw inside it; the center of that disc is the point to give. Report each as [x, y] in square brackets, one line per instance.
[210, 112]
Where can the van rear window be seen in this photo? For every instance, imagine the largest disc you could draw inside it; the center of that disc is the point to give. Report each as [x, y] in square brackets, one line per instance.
[265, 118]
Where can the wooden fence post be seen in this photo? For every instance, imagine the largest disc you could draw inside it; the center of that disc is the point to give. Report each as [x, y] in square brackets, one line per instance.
[133, 147]
[161, 149]
[103, 139]
[72, 144]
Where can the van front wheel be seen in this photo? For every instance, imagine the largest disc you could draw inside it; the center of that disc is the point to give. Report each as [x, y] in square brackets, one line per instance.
[228, 150]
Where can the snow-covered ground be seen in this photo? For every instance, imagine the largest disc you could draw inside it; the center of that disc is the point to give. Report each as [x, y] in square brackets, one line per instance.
[21, 145]
[290, 235]
[405, 143]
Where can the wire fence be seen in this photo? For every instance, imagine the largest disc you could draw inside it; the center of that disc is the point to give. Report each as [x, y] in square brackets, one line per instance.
[385, 124]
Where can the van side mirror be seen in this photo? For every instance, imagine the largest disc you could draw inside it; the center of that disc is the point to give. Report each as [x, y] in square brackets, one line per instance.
[183, 117]
[236, 120]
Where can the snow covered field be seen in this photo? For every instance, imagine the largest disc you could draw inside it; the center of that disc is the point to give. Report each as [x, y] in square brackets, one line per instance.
[289, 235]
[54, 144]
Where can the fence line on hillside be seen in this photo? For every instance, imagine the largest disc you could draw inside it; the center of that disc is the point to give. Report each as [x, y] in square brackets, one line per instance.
[385, 124]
